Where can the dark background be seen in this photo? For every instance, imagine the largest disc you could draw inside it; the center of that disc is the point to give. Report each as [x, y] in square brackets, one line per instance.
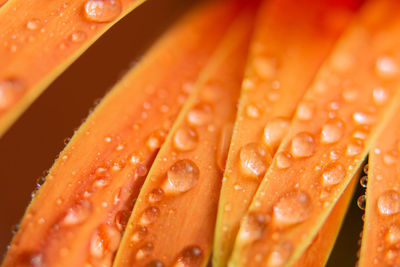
[30, 146]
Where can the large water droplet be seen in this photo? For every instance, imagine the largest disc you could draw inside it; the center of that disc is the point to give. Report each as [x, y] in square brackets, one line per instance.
[78, 213]
[302, 145]
[293, 208]
[254, 160]
[275, 131]
[305, 110]
[200, 115]
[181, 177]
[332, 131]
[102, 10]
[185, 139]
[189, 257]
[333, 174]
[386, 67]
[253, 227]
[283, 160]
[280, 254]
[10, 91]
[149, 215]
[389, 203]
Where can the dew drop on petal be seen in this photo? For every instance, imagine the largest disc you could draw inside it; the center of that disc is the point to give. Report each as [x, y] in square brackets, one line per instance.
[302, 145]
[292, 208]
[392, 236]
[139, 234]
[275, 131]
[389, 203]
[156, 195]
[185, 139]
[78, 213]
[333, 174]
[102, 10]
[144, 251]
[190, 256]
[305, 110]
[380, 95]
[386, 67]
[200, 115]
[10, 91]
[332, 131]
[149, 215]
[254, 160]
[280, 254]
[283, 160]
[361, 202]
[253, 227]
[181, 177]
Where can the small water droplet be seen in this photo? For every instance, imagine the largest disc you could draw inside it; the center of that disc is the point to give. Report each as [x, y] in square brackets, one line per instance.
[390, 158]
[354, 148]
[275, 131]
[144, 251]
[181, 177]
[364, 181]
[380, 95]
[253, 227]
[33, 24]
[253, 111]
[121, 219]
[332, 131]
[102, 10]
[386, 67]
[283, 160]
[302, 145]
[389, 203]
[280, 254]
[265, 68]
[155, 140]
[254, 160]
[78, 213]
[156, 195]
[190, 257]
[155, 263]
[78, 36]
[361, 201]
[139, 234]
[363, 118]
[333, 174]
[392, 236]
[200, 115]
[293, 208]
[365, 169]
[350, 94]
[185, 139]
[10, 91]
[149, 215]
[305, 110]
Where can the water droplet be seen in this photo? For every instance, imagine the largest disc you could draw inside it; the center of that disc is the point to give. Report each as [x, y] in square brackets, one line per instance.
[155, 140]
[33, 24]
[390, 158]
[78, 213]
[185, 139]
[181, 177]
[224, 142]
[363, 118]
[78, 36]
[365, 169]
[253, 227]
[144, 251]
[275, 131]
[303, 145]
[354, 148]
[389, 203]
[305, 110]
[333, 174]
[121, 219]
[104, 240]
[156, 195]
[293, 208]
[31, 259]
[253, 111]
[361, 201]
[102, 10]
[364, 181]
[332, 131]
[386, 67]
[283, 160]
[350, 94]
[265, 68]
[139, 234]
[254, 160]
[280, 254]
[190, 257]
[200, 115]
[380, 95]
[10, 91]
[149, 215]
[392, 236]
